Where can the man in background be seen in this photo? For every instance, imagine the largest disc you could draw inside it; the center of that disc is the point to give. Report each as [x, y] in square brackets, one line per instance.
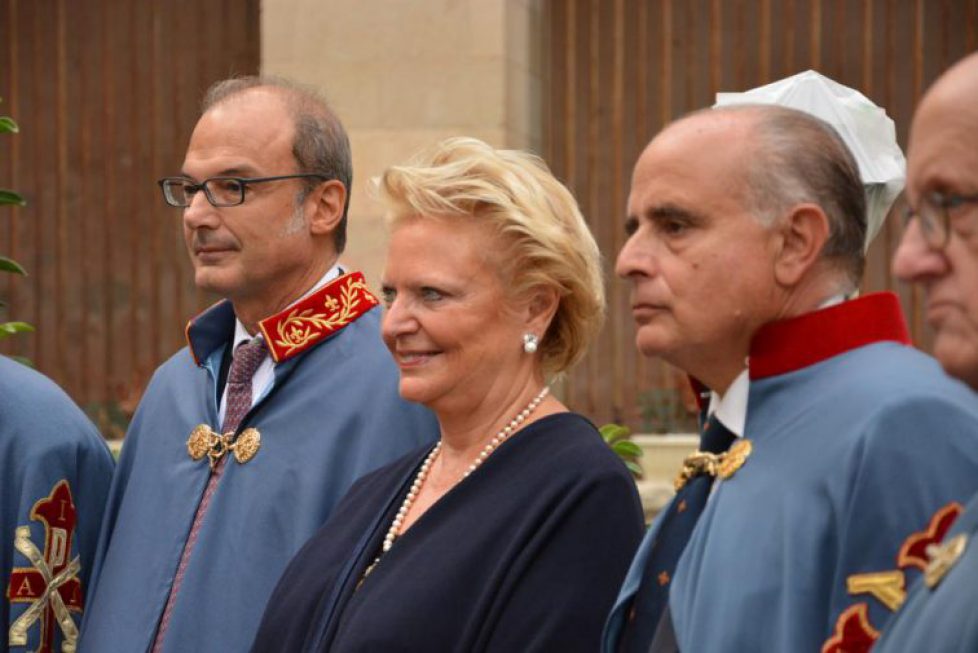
[939, 251]
[829, 441]
[54, 476]
[247, 438]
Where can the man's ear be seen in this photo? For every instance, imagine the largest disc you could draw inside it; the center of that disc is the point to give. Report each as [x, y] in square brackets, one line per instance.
[804, 232]
[324, 206]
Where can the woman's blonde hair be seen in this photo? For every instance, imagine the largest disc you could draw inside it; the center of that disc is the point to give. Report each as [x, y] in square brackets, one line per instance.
[546, 240]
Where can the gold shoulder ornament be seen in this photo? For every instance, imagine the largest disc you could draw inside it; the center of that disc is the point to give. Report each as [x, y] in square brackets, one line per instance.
[722, 465]
[734, 458]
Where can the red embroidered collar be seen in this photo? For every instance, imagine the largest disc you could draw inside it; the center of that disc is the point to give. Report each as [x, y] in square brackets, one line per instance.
[321, 314]
[795, 343]
[296, 329]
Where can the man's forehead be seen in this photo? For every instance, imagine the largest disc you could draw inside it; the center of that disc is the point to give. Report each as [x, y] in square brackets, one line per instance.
[944, 132]
[241, 132]
[694, 148]
[714, 130]
[954, 93]
[258, 110]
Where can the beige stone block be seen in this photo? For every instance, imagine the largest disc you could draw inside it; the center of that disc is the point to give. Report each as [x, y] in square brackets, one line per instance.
[366, 250]
[433, 28]
[520, 40]
[406, 63]
[344, 32]
[355, 92]
[432, 94]
[405, 74]
[374, 30]
[277, 34]
[519, 141]
[538, 44]
[523, 102]
[299, 35]
[487, 28]
[330, 32]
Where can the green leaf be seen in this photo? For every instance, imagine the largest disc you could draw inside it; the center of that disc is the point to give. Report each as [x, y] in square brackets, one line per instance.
[12, 328]
[23, 360]
[10, 265]
[634, 468]
[10, 197]
[8, 126]
[627, 448]
[612, 432]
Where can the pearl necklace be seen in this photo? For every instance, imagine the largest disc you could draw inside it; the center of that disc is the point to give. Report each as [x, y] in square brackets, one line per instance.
[422, 476]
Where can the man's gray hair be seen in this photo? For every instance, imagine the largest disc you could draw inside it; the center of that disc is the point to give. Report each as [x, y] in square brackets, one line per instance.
[802, 159]
[321, 145]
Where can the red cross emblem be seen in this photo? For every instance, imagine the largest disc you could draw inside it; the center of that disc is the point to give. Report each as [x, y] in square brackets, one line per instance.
[51, 585]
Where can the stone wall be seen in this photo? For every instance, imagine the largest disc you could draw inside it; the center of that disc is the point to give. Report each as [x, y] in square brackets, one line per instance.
[405, 74]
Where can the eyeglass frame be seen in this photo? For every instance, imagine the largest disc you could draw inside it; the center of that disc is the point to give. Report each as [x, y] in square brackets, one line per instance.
[243, 181]
[941, 204]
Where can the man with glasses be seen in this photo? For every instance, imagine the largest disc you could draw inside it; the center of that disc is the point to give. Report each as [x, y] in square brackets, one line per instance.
[830, 442]
[246, 439]
[939, 251]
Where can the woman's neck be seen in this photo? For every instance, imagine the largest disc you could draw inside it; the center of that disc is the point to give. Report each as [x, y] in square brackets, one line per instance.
[465, 431]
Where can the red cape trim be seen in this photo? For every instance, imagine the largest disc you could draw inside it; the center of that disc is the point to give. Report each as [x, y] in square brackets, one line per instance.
[328, 310]
[796, 343]
[853, 632]
[913, 553]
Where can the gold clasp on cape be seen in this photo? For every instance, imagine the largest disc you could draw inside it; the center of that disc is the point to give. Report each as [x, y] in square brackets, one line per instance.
[203, 441]
[722, 465]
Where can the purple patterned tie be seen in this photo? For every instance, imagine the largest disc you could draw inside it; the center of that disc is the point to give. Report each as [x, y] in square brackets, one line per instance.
[247, 357]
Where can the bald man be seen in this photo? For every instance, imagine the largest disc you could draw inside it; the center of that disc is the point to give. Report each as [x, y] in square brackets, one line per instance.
[939, 251]
[830, 441]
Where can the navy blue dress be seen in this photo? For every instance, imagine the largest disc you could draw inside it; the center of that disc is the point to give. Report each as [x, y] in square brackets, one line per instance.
[526, 554]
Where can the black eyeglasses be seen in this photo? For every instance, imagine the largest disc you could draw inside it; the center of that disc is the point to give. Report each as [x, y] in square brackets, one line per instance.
[220, 191]
[934, 214]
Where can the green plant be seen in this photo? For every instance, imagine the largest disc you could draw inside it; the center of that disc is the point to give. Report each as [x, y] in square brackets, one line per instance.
[618, 437]
[9, 197]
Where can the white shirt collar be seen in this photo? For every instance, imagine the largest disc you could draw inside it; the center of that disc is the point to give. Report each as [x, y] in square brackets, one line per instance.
[731, 408]
[835, 299]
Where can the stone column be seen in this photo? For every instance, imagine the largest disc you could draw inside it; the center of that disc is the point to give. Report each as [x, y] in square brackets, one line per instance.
[404, 74]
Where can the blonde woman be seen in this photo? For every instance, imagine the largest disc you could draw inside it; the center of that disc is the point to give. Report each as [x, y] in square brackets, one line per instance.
[513, 532]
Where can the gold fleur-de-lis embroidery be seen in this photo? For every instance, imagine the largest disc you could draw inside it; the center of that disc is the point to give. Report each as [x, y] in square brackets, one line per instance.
[302, 326]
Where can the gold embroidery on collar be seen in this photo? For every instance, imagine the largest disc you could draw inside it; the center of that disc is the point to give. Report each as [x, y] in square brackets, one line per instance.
[299, 327]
